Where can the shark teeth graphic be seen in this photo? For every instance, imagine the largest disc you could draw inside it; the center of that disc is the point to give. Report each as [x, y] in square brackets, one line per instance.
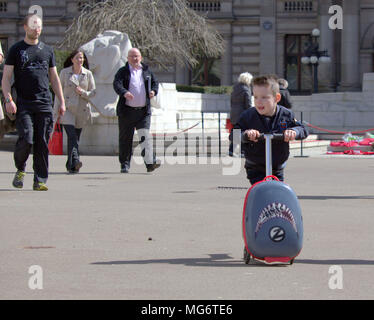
[275, 210]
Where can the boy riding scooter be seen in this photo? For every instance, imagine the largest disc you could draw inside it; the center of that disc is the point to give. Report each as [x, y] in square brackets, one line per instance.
[267, 117]
[272, 220]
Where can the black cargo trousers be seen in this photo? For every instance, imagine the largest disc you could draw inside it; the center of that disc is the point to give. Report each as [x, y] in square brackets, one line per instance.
[34, 129]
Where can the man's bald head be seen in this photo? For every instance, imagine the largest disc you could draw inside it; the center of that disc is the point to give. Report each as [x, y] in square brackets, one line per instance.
[134, 57]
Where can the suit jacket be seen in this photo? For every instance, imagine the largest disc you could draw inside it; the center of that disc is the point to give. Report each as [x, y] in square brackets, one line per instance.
[284, 119]
[78, 107]
[122, 81]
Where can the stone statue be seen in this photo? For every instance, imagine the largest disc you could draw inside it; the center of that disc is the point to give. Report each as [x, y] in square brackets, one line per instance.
[106, 54]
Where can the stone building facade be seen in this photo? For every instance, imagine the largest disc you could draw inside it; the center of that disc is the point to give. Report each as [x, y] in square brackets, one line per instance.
[270, 36]
[261, 36]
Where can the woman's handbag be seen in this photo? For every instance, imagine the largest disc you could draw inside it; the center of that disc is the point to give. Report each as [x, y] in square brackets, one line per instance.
[55, 142]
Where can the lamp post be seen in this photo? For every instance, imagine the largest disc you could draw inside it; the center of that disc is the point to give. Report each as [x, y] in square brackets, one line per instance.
[313, 56]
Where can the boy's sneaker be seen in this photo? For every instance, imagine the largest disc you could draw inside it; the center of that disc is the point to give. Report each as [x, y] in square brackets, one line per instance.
[40, 186]
[18, 179]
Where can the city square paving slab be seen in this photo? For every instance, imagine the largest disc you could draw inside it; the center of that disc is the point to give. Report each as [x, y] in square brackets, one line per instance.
[176, 233]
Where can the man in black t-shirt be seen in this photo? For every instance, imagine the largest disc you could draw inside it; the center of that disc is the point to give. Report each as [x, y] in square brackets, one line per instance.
[33, 64]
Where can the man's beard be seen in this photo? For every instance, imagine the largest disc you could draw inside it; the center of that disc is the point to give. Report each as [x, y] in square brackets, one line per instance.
[32, 36]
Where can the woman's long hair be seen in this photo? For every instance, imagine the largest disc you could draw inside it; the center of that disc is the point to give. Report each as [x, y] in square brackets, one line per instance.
[69, 63]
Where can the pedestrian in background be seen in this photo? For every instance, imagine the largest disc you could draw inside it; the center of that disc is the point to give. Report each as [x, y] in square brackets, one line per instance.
[136, 85]
[241, 97]
[78, 86]
[285, 100]
[33, 64]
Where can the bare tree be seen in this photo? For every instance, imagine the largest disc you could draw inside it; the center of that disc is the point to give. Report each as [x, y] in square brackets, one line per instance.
[166, 31]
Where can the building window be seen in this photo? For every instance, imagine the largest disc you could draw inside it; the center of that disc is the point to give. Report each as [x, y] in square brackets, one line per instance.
[207, 73]
[205, 5]
[298, 6]
[298, 75]
[3, 6]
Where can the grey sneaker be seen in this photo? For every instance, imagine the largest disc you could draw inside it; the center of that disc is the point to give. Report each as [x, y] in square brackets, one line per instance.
[18, 179]
[125, 168]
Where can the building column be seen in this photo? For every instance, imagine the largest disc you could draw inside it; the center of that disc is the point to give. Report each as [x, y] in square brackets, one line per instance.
[226, 61]
[268, 44]
[350, 48]
[326, 71]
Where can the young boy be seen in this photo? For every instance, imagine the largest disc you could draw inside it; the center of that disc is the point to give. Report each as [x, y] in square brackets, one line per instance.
[267, 117]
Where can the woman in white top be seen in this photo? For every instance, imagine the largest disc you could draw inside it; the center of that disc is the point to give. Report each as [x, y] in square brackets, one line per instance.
[78, 85]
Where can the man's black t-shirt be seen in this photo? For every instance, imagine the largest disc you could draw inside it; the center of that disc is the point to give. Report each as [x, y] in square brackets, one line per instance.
[31, 74]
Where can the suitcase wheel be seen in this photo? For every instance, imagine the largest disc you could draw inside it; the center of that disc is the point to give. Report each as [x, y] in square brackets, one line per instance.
[246, 256]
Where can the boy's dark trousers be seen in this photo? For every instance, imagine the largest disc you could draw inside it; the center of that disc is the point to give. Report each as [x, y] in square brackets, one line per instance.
[73, 135]
[34, 129]
[257, 172]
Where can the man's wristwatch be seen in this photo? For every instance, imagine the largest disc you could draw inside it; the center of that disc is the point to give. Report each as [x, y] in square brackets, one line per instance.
[7, 100]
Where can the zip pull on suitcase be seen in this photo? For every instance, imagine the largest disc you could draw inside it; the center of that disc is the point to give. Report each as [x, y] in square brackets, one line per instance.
[272, 221]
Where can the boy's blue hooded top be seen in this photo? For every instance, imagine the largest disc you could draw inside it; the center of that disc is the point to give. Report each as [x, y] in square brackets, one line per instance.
[282, 120]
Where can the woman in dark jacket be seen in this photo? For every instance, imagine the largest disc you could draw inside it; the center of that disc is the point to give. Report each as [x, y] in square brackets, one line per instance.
[285, 100]
[241, 99]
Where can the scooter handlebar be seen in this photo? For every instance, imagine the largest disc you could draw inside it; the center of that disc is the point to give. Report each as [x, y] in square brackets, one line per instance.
[275, 136]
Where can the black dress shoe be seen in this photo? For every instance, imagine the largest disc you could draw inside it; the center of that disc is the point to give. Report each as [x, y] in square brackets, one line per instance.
[77, 166]
[153, 166]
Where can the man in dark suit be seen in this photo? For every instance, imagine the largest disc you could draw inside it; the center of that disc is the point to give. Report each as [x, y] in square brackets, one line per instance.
[136, 85]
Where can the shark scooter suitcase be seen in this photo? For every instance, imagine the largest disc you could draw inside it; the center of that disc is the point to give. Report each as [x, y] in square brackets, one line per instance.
[272, 221]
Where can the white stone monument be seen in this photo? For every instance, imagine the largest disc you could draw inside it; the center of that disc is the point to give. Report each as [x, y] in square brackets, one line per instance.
[106, 54]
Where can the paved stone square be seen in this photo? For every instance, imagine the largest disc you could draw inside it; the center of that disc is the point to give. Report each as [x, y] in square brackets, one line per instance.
[176, 233]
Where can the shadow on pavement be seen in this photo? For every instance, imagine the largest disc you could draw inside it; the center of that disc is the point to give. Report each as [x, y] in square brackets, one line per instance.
[15, 190]
[224, 260]
[335, 197]
[336, 262]
[214, 260]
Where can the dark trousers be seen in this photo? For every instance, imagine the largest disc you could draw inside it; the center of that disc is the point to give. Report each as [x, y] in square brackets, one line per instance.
[256, 173]
[73, 135]
[128, 120]
[34, 130]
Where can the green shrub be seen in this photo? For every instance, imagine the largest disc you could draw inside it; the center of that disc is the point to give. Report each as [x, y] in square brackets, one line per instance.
[186, 88]
[207, 89]
[218, 90]
[61, 56]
